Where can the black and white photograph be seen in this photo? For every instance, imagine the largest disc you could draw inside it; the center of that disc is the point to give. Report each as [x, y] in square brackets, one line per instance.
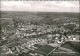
[39, 28]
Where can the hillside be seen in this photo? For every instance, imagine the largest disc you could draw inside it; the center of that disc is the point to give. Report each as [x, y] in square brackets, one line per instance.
[42, 17]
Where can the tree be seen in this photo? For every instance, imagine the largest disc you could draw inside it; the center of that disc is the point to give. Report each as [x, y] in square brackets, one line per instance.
[70, 26]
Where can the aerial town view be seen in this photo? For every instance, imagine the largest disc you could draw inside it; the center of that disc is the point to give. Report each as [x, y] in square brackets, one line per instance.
[39, 32]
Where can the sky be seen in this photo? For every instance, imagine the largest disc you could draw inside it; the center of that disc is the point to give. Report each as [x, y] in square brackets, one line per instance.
[40, 6]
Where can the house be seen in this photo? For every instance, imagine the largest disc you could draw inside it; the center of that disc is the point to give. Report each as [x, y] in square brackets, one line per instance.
[73, 38]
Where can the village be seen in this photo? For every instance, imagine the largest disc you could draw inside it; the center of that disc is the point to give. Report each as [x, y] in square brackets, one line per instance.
[30, 37]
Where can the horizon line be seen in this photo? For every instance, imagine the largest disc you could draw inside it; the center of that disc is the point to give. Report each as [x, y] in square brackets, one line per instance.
[40, 11]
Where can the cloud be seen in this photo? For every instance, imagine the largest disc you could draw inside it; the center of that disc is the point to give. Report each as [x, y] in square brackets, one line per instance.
[66, 4]
[49, 6]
